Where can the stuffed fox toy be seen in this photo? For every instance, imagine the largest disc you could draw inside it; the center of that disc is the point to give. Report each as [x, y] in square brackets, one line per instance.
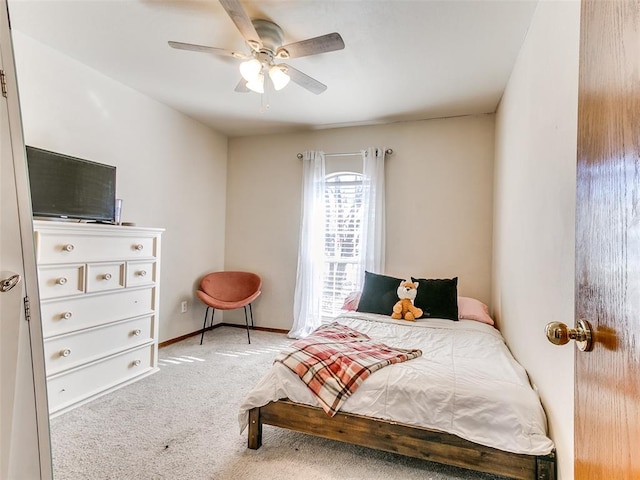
[404, 308]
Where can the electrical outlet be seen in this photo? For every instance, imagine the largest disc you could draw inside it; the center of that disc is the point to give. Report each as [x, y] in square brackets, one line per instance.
[183, 307]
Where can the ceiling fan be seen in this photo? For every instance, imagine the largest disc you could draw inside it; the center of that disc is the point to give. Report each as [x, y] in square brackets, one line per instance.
[260, 69]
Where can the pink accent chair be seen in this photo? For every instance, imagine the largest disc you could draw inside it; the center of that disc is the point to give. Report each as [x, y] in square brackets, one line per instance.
[228, 291]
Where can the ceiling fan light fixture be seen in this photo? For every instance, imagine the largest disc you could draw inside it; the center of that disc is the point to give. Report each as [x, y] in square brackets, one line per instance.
[278, 76]
[250, 70]
[256, 85]
[264, 39]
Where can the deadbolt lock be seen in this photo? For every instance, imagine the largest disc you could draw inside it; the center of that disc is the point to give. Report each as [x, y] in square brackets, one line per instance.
[559, 334]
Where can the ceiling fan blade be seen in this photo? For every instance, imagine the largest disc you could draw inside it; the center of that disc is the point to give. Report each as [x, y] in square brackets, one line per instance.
[305, 81]
[201, 48]
[312, 46]
[242, 86]
[242, 21]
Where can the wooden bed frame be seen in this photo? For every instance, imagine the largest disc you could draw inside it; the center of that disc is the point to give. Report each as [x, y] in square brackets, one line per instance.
[399, 438]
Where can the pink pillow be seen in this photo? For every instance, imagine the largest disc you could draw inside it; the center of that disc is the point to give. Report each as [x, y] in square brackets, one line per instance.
[472, 309]
[352, 301]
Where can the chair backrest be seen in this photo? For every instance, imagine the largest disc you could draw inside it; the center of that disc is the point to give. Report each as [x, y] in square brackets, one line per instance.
[231, 286]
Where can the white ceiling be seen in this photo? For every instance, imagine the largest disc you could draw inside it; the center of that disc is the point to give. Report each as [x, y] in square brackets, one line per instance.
[403, 60]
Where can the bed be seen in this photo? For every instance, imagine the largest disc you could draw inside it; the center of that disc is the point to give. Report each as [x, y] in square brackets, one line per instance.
[465, 401]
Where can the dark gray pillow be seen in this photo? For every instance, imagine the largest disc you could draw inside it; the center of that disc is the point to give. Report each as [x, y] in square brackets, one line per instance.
[379, 294]
[437, 297]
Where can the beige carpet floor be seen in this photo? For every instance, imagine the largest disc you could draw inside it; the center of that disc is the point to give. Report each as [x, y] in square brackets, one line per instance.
[181, 423]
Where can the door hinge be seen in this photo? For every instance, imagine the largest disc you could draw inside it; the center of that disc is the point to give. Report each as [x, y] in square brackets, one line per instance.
[27, 309]
[3, 83]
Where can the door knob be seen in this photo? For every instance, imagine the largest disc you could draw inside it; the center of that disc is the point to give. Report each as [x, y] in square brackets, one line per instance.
[559, 334]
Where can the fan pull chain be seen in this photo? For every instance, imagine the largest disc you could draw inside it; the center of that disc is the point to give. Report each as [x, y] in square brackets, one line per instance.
[264, 102]
[264, 97]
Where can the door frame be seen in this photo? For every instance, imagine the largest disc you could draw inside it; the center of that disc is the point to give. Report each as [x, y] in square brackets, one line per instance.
[32, 297]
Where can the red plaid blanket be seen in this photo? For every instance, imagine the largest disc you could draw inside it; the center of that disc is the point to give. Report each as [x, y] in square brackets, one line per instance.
[334, 360]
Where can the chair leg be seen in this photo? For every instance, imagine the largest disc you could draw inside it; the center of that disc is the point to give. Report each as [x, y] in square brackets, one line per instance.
[251, 312]
[204, 325]
[246, 320]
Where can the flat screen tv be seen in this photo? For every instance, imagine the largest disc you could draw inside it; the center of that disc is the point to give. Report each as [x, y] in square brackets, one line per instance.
[67, 187]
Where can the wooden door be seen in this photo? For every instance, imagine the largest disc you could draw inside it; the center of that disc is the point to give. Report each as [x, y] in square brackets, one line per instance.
[607, 402]
[24, 428]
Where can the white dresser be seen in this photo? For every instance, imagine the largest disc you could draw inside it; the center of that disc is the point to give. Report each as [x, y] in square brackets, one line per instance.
[99, 297]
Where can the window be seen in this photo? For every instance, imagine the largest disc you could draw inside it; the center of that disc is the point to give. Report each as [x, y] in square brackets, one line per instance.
[342, 239]
[342, 234]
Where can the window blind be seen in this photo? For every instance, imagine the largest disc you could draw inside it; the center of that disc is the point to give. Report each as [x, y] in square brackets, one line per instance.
[343, 222]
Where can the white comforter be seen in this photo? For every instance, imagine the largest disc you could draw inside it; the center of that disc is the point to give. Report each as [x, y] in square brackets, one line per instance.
[466, 383]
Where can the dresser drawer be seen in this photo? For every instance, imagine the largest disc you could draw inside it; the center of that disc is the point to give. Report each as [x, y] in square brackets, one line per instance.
[67, 315]
[61, 281]
[59, 247]
[68, 351]
[140, 273]
[105, 276]
[78, 384]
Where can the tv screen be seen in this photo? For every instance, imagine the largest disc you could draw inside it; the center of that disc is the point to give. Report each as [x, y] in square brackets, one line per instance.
[68, 187]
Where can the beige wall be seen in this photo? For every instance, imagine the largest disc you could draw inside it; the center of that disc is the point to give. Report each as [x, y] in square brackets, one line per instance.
[533, 251]
[171, 170]
[439, 204]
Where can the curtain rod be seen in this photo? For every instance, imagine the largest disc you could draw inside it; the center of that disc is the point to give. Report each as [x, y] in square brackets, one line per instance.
[388, 151]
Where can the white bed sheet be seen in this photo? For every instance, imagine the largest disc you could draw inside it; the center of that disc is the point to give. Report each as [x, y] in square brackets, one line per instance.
[466, 383]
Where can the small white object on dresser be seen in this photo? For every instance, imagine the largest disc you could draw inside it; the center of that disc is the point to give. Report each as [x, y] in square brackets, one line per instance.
[99, 298]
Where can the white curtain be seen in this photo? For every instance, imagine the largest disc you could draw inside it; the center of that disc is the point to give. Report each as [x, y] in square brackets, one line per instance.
[373, 223]
[307, 315]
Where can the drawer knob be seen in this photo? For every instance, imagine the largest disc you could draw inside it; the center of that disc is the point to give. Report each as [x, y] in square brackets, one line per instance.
[107, 276]
[66, 315]
[62, 281]
[139, 247]
[142, 273]
[137, 332]
[66, 352]
[68, 247]
[136, 363]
